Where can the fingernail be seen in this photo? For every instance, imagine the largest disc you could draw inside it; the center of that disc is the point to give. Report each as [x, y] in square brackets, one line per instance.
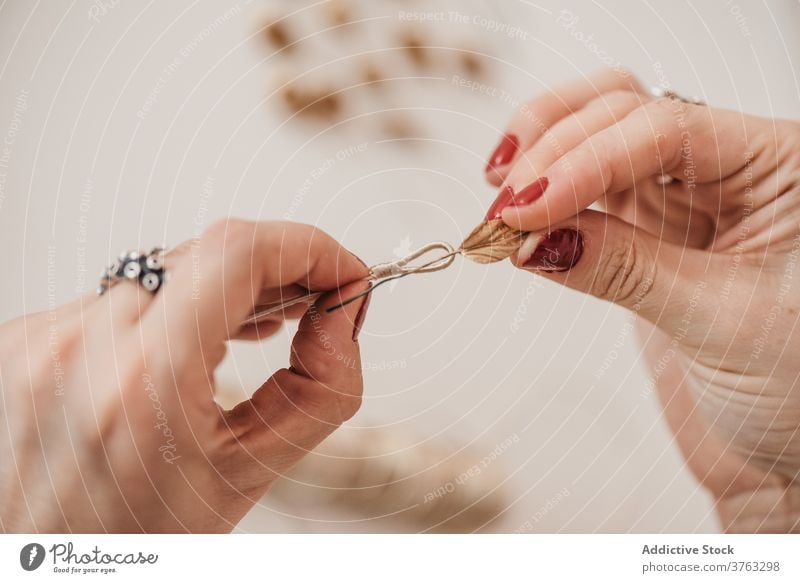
[362, 313]
[508, 197]
[503, 153]
[558, 251]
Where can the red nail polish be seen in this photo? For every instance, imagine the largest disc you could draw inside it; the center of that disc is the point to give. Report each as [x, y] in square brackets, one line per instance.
[362, 313]
[559, 251]
[507, 197]
[503, 153]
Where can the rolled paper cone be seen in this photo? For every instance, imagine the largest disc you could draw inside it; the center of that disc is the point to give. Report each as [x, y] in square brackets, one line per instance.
[492, 241]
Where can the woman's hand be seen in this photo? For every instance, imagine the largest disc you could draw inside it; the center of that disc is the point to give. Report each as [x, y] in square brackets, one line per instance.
[109, 422]
[710, 259]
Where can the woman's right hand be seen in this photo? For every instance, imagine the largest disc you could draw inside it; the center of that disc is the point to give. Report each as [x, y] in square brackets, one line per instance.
[709, 260]
[108, 418]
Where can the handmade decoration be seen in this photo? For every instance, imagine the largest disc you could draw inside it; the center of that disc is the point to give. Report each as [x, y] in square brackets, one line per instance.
[489, 242]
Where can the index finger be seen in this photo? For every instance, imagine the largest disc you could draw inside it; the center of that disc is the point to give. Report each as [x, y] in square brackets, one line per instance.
[214, 287]
[667, 136]
[535, 118]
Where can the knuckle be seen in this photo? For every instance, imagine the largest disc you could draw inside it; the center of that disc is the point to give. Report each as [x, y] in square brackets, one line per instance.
[667, 108]
[216, 230]
[619, 77]
[48, 366]
[228, 244]
[624, 275]
[625, 73]
[586, 155]
[530, 114]
[300, 234]
[346, 400]
[663, 104]
[333, 405]
[351, 394]
[631, 81]
[281, 233]
[652, 110]
[330, 380]
[230, 234]
[662, 120]
[349, 405]
[531, 163]
[617, 97]
[596, 152]
[318, 361]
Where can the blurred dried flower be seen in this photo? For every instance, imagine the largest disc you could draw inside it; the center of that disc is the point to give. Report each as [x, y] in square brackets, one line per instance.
[391, 473]
[316, 102]
[339, 12]
[277, 34]
[415, 47]
[372, 74]
[472, 63]
[400, 127]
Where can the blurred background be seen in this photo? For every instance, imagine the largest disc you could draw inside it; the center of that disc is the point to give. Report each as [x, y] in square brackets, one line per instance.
[494, 401]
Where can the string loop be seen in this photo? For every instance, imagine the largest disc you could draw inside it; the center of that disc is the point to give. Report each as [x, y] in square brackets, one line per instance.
[379, 274]
[400, 266]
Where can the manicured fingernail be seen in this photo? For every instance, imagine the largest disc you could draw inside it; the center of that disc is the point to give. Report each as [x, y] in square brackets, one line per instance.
[362, 313]
[503, 153]
[558, 251]
[508, 197]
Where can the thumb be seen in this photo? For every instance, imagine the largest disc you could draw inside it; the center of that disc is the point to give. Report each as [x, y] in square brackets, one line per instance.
[601, 255]
[298, 407]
